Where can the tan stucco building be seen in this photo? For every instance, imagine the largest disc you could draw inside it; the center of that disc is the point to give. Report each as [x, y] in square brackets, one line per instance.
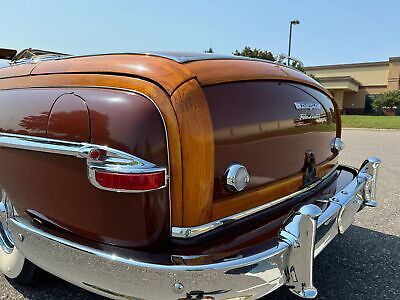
[354, 86]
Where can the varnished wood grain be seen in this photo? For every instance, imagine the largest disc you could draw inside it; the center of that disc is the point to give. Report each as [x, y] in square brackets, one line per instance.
[164, 72]
[17, 70]
[250, 199]
[220, 71]
[197, 142]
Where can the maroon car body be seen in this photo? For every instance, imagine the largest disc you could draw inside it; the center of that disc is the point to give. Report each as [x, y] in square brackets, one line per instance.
[171, 175]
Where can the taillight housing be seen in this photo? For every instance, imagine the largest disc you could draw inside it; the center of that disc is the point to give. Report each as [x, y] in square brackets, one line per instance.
[117, 171]
[130, 182]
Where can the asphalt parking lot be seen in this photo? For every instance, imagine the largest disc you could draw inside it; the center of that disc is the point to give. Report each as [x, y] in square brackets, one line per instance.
[365, 262]
[362, 264]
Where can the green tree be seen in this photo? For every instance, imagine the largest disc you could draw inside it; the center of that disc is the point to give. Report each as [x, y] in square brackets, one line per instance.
[209, 50]
[268, 55]
[389, 100]
[297, 65]
[313, 77]
[255, 53]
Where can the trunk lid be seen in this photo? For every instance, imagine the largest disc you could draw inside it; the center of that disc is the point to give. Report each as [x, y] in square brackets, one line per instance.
[268, 126]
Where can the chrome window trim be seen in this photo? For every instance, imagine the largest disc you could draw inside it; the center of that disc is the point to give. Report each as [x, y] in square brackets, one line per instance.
[38, 59]
[35, 56]
[190, 232]
[115, 161]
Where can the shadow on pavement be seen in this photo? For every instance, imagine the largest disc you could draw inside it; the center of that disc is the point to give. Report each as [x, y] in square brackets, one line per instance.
[361, 264]
[48, 286]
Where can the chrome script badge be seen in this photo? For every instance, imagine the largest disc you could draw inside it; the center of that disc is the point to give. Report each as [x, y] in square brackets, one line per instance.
[307, 105]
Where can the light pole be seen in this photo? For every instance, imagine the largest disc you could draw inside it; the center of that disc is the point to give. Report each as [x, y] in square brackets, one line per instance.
[293, 22]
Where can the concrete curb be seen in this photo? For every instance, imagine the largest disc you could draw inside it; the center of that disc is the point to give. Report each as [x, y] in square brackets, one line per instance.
[370, 129]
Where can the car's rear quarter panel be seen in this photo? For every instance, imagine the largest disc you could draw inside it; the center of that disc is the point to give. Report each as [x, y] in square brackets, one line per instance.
[54, 189]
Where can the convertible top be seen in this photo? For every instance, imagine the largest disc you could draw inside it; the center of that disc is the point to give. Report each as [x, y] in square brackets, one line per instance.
[7, 53]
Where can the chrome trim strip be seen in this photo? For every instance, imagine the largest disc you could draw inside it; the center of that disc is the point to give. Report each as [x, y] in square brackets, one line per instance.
[189, 232]
[54, 146]
[113, 161]
[93, 181]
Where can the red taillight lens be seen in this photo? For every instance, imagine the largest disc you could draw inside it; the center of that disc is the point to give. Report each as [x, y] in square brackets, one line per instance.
[131, 182]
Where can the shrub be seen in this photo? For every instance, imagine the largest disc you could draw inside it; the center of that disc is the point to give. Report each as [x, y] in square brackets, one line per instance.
[388, 100]
[255, 53]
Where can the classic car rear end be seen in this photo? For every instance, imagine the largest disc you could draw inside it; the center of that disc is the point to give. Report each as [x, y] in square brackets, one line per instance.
[171, 176]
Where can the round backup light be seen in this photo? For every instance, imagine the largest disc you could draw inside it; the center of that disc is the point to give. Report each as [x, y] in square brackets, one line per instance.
[236, 178]
[97, 154]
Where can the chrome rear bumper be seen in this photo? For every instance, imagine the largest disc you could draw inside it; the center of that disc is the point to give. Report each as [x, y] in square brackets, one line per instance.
[289, 262]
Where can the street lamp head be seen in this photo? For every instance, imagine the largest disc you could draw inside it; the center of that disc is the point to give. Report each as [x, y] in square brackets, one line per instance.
[295, 22]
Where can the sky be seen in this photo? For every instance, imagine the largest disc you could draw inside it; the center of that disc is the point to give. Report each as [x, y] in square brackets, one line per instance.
[330, 32]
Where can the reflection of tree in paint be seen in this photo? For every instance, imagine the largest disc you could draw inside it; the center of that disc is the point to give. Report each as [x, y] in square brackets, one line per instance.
[71, 126]
[35, 123]
[101, 134]
[75, 126]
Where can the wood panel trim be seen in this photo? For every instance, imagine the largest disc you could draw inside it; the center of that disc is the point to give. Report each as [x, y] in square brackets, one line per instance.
[165, 72]
[222, 71]
[197, 142]
[16, 70]
[253, 198]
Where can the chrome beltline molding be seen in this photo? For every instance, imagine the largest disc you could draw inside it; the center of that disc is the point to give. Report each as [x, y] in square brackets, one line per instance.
[54, 146]
[113, 160]
[190, 232]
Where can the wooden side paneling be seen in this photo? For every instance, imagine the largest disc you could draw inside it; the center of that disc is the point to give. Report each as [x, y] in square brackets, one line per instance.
[197, 142]
[151, 90]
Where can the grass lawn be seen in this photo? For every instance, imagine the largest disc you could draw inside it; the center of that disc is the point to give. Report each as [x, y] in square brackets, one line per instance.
[380, 122]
